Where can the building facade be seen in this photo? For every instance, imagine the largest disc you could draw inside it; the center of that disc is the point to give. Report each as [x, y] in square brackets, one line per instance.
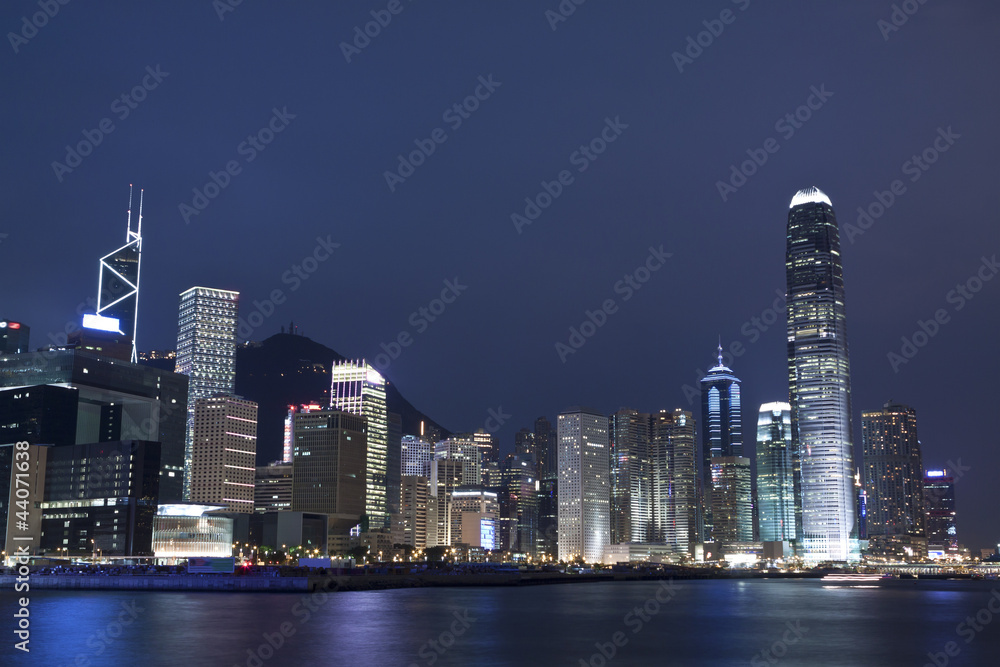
[272, 488]
[939, 507]
[224, 454]
[894, 472]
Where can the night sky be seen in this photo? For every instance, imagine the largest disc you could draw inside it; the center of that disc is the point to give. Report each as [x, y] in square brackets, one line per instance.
[215, 77]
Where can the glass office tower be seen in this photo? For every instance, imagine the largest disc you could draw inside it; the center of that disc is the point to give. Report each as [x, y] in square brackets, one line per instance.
[775, 475]
[819, 381]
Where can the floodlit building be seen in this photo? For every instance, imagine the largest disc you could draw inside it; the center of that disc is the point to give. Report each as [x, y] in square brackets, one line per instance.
[819, 381]
[191, 531]
[206, 352]
[775, 473]
[584, 485]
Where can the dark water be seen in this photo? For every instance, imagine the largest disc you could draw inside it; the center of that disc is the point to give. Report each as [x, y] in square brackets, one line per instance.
[697, 623]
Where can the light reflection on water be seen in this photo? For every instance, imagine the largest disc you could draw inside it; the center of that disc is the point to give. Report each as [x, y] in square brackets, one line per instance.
[699, 622]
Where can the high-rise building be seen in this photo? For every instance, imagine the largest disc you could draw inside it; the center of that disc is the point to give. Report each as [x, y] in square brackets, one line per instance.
[328, 467]
[894, 471]
[546, 449]
[518, 498]
[672, 447]
[462, 448]
[775, 473]
[359, 389]
[584, 485]
[473, 516]
[288, 443]
[224, 455]
[206, 352]
[547, 539]
[101, 497]
[415, 455]
[14, 337]
[118, 280]
[631, 476]
[414, 497]
[73, 397]
[524, 443]
[272, 488]
[819, 381]
[393, 462]
[722, 437]
[445, 475]
[939, 508]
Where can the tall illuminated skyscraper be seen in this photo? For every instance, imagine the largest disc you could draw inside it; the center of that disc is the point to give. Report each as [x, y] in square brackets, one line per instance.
[819, 381]
[584, 485]
[631, 478]
[359, 389]
[206, 352]
[673, 463]
[118, 280]
[775, 473]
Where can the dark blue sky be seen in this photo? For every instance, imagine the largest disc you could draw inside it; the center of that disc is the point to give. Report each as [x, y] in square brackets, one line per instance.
[551, 91]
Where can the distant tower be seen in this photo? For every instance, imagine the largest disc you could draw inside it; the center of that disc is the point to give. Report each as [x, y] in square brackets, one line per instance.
[224, 455]
[118, 279]
[775, 474]
[206, 352]
[819, 381]
[894, 471]
[726, 481]
[584, 485]
[939, 508]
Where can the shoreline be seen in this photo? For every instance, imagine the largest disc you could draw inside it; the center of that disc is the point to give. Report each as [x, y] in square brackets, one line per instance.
[372, 582]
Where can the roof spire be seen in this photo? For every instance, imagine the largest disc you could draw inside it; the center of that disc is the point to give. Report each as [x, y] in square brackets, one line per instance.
[720, 349]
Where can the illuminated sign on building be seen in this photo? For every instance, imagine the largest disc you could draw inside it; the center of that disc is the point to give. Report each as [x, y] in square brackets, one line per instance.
[101, 323]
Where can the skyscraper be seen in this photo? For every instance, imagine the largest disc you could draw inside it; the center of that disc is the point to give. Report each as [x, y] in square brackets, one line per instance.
[546, 449]
[673, 463]
[727, 485]
[206, 352]
[416, 454]
[775, 473]
[819, 380]
[462, 448]
[939, 507]
[118, 279]
[584, 485]
[631, 479]
[893, 472]
[328, 464]
[360, 389]
[224, 455]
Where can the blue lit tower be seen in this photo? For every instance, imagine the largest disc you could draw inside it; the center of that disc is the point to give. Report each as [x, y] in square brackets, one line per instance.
[722, 438]
[775, 473]
[819, 381]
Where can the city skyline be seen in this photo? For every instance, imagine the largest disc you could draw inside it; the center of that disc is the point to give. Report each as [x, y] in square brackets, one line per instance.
[653, 185]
